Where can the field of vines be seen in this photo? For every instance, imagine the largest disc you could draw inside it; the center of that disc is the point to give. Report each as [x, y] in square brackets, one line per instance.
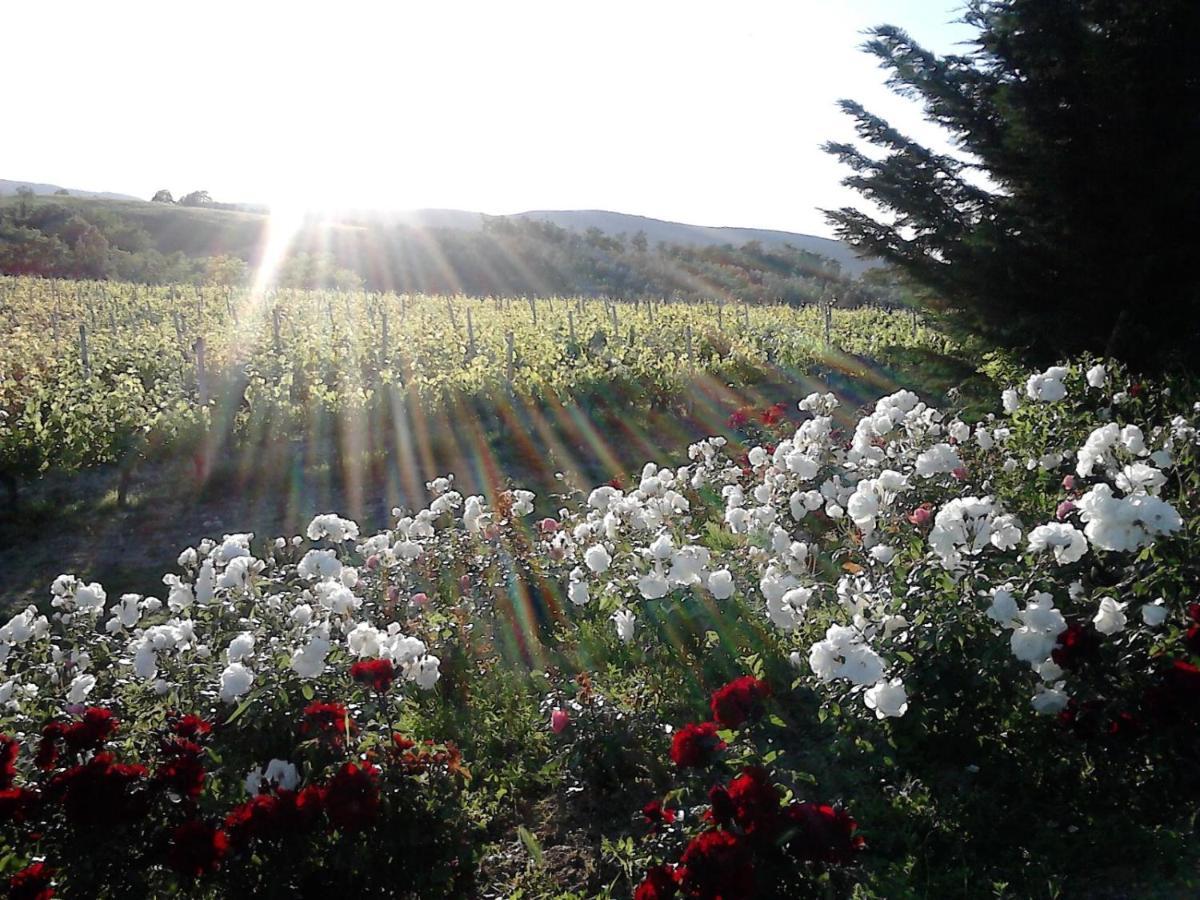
[95, 373]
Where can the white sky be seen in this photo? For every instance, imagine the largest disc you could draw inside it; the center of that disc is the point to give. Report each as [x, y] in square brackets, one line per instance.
[705, 112]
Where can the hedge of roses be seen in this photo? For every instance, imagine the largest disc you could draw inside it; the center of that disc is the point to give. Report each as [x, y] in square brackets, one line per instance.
[964, 606]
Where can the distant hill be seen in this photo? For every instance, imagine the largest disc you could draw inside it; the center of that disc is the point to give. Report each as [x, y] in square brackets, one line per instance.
[580, 220]
[9, 188]
[542, 253]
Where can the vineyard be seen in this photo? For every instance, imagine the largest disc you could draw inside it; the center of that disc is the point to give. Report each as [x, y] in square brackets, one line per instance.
[95, 373]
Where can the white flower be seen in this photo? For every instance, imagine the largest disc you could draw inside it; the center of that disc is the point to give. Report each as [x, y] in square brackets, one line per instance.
[309, 660]
[1067, 542]
[1097, 376]
[1110, 619]
[787, 611]
[1049, 701]
[887, 698]
[240, 647]
[425, 672]
[1047, 387]
[720, 584]
[235, 681]
[624, 620]
[1004, 608]
[279, 773]
[318, 564]
[653, 585]
[1011, 400]
[1041, 624]
[1154, 614]
[90, 598]
[577, 591]
[80, 687]
[597, 558]
[333, 527]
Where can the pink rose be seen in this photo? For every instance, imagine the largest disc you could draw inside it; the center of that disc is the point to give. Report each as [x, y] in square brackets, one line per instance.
[1064, 509]
[559, 719]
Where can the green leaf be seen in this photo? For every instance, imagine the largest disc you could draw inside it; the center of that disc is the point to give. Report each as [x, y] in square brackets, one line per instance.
[307, 691]
[531, 843]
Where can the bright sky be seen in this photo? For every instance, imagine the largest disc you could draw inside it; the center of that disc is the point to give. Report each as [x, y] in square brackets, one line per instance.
[705, 112]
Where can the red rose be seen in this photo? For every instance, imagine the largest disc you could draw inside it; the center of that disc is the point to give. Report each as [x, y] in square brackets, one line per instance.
[1075, 646]
[191, 727]
[196, 848]
[182, 772]
[90, 733]
[773, 414]
[18, 804]
[352, 796]
[751, 802]
[655, 814]
[32, 883]
[47, 751]
[716, 864]
[659, 884]
[694, 745]
[739, 417]
[9, 748]
[327, 720]
[824, 834]
[377, 673]
[100, 792]
[274, 815]
[738, 701]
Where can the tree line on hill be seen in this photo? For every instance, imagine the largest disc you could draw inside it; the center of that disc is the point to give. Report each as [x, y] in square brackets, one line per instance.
[71, 238]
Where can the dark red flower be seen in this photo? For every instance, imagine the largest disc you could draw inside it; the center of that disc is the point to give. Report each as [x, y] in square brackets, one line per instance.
[1124, 724]
[182, 771]
[739, 417]
[773, 414]
[751, 802]
[824, 834]
[9, 748]
[352, 796]
[1191, 640]
[100, 792]
[34, 882]
[191, 727]
[327, 720]
[378, 674]
[738, 701]
[695, 744]
[90, 732]
[655, 815]
[274, 815]
[659, 884]
[47, 751]
[196, 848]
[1135, 389]
[1076, 645]
[716, 866]
[18, 804]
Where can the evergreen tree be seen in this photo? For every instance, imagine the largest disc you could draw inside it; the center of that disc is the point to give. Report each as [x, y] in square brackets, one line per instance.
[1067, 220]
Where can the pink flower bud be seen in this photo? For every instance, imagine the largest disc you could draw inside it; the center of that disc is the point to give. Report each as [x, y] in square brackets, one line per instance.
[420, 599]
[960, 473]
[372, 562]
[1069, 482]
[1064, 509]
[548, 526]
[393, 594]
[559, 719]
[920, 516]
